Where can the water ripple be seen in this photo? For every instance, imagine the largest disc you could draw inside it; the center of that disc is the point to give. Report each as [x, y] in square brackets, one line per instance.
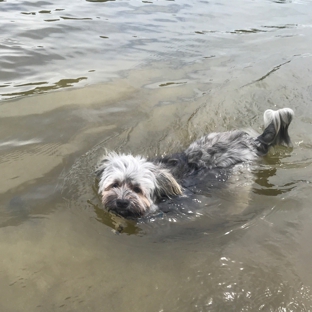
[52, 41]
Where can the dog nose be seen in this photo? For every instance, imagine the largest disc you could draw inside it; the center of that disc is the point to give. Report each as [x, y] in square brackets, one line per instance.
[122, 203]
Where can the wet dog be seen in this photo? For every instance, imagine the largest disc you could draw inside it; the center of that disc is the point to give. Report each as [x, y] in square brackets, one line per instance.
[132, 186]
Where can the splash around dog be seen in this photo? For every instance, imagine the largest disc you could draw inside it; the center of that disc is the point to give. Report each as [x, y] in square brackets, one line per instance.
[133, 186]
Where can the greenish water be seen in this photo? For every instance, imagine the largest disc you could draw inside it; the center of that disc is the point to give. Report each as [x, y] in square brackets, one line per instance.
[148, 78]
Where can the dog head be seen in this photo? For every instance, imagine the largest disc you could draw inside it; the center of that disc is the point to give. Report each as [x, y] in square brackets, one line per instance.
[131, 186]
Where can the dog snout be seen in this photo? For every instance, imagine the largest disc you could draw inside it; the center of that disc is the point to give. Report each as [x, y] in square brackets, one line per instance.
[122, 203]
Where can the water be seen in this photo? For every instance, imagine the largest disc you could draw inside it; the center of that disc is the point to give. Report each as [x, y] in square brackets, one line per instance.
[148, 78]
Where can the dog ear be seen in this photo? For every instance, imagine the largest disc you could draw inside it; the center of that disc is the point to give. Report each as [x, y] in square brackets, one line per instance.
[167, 185]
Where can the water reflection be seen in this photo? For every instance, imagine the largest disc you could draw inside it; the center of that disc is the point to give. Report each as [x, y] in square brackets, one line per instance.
[99, 0]
[118, 224]
[74, 43]
[63, 83]
[75, 18]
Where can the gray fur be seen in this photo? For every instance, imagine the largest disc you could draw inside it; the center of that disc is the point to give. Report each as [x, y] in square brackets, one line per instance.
[220, 150]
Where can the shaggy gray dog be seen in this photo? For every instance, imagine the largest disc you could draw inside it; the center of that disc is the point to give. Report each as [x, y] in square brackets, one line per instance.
[132, 186]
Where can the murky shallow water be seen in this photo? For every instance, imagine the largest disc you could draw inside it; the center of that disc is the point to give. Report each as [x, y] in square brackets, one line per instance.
[167, 73]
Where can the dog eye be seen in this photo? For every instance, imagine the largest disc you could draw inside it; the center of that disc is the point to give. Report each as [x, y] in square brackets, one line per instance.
[173, 162]
[136, 189]
[115, 184]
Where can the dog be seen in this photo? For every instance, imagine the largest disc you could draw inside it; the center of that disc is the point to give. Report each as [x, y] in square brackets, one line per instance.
[133, 186]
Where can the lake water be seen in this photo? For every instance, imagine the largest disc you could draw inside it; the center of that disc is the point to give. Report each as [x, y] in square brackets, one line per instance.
[149, 77]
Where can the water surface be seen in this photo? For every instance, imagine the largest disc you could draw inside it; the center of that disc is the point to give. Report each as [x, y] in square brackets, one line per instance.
[148, 78]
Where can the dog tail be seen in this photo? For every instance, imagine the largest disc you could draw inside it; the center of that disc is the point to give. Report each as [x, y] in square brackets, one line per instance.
[276, 127]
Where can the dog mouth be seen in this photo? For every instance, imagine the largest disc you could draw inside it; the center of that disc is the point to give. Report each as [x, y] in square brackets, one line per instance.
[125, 209]
[127, 214]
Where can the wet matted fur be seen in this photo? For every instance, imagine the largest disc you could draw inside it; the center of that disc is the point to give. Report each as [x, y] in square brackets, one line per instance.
[132, 186]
